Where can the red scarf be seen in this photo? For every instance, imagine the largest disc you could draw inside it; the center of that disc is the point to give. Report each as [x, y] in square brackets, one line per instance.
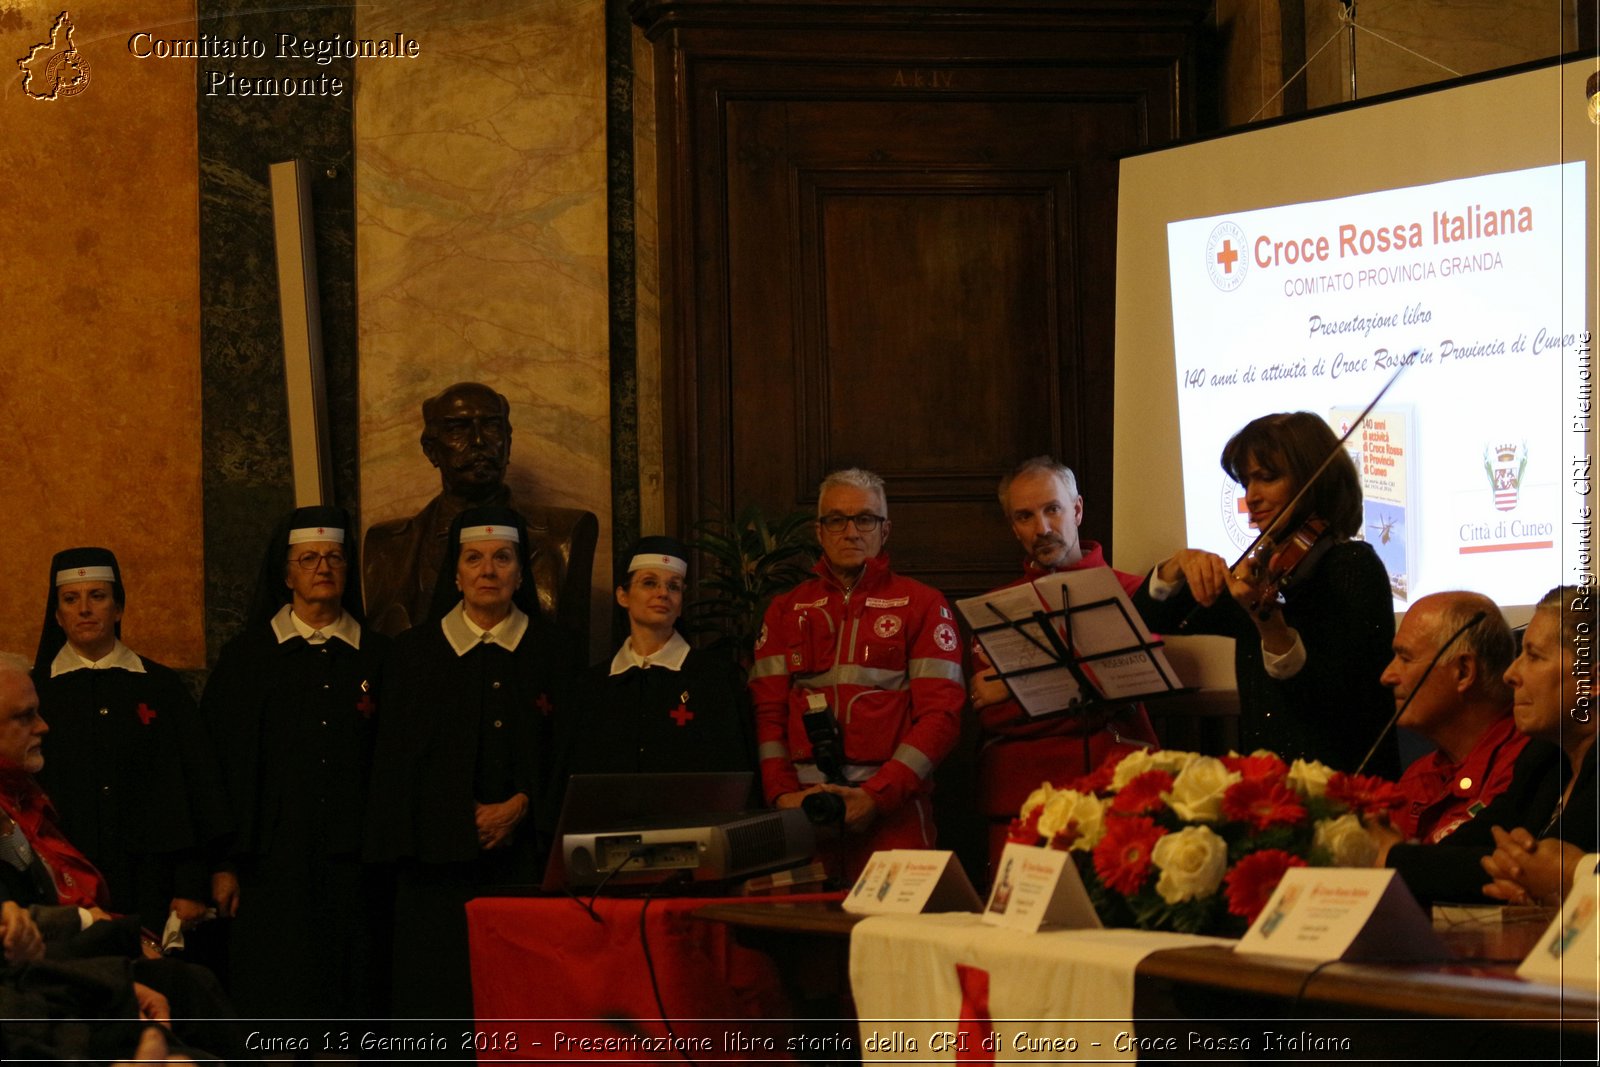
[76, 879]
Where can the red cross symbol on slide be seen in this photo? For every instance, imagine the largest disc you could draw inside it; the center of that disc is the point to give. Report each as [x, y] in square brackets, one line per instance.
[1227, 257]
[366, 705]
[681, 714]
[146, 713]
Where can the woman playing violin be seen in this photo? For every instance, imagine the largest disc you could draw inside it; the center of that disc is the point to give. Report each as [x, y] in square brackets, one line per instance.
[1310, 609]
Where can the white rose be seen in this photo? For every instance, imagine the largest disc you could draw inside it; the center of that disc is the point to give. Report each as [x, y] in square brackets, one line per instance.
[1130, 767]
[1066, 807]
[1057, 810]
[1192, 863]
[1174, 761]
[1346, 840]
[1309, 778]
[1197, 792]
[1037, 799]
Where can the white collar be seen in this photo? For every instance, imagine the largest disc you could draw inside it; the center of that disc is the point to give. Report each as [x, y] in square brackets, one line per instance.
[670, 655]
[465, 635]
[121, 657]
[286, 626]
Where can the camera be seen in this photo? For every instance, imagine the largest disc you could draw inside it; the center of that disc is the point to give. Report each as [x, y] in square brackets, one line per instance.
[827, 750]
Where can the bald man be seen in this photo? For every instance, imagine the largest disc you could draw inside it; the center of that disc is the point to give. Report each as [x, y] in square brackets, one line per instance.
[1463, 707]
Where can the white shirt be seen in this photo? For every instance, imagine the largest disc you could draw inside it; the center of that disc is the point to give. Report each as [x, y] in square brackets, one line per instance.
[465, 635]
[286, 626]
[670, 655]
[120, 656]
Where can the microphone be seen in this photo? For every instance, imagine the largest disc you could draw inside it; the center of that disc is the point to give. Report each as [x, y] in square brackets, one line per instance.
[1401, 710]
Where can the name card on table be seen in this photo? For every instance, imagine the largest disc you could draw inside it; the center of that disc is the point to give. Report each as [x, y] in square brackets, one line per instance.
[909, 881]
[1038, 887]
[1342, 913]
[1569, 951]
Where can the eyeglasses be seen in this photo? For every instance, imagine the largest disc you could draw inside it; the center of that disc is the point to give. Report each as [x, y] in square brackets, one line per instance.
[866, 522]
[310, 561]
[651, 583]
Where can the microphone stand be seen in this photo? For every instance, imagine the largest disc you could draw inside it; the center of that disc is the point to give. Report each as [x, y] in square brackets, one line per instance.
[1401, 710]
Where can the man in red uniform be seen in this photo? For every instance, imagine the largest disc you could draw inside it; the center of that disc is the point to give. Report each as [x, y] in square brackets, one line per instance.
[1040, 500]
[1463, 707]
[884, 652]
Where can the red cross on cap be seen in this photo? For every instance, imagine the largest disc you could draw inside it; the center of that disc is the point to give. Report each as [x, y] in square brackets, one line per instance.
[488, 529]
[666, 559]
[321, 529]
[81, 572]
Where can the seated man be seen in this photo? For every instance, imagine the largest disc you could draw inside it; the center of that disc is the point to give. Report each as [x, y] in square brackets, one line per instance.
[1552, 791]
[50, 897]
[1463, 706]
[882, 652]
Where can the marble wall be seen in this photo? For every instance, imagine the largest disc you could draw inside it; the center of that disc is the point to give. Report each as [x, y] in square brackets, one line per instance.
[100, 299]
[481, 246]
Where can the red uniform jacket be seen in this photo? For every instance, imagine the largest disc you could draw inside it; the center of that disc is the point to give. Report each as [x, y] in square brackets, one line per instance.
[887, 655]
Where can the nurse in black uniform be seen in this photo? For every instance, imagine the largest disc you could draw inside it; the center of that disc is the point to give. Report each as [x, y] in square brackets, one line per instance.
[658, 705]
[292, 705]
[131, 770]
[463, 755]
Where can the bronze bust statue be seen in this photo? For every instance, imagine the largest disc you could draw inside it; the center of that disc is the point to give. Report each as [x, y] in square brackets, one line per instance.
[467, 436]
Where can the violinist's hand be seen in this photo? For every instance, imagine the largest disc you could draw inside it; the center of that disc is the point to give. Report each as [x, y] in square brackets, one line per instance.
[1206, 573]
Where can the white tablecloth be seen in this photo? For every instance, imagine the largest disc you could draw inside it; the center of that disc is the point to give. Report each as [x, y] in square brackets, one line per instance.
[933, 987]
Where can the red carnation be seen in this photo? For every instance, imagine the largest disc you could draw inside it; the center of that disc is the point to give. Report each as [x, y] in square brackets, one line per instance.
[1122, 858]
[1142, 794]
[1253, 879]
[1364, 794]
[1262, 803]
[1267, 768]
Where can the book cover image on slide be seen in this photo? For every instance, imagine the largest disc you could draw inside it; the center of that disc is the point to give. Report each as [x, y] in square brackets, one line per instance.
[1382, 450]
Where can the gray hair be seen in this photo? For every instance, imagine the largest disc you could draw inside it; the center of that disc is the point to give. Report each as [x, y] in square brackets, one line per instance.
[1490, 640]
[1046, 464]
[853, 478]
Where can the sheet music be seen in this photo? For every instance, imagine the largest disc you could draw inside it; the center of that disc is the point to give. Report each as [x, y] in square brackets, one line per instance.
[1035, 676]
[1111, 645]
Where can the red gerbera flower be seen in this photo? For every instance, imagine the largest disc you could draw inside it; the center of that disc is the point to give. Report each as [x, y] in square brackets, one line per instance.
[1262, 803]
[1142, 795]
[1253, 879]
[1364, 794]
[1099, 780]
[1258, 768]
[1122, 858]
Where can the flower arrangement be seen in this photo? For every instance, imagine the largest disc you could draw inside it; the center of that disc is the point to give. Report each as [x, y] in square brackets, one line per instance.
[1191, 843]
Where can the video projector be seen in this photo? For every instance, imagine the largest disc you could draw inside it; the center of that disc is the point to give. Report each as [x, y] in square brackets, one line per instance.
[711, 848]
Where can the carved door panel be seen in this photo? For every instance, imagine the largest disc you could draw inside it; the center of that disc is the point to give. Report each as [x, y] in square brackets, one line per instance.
[923, 288]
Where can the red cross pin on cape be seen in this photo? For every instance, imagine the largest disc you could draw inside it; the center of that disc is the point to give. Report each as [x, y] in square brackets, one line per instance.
[146, 713]
[681, 714]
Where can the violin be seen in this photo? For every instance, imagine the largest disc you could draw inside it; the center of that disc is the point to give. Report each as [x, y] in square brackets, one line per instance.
[1271, 566]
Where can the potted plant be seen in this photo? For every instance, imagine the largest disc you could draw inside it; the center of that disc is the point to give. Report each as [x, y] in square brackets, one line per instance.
[747, 560]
